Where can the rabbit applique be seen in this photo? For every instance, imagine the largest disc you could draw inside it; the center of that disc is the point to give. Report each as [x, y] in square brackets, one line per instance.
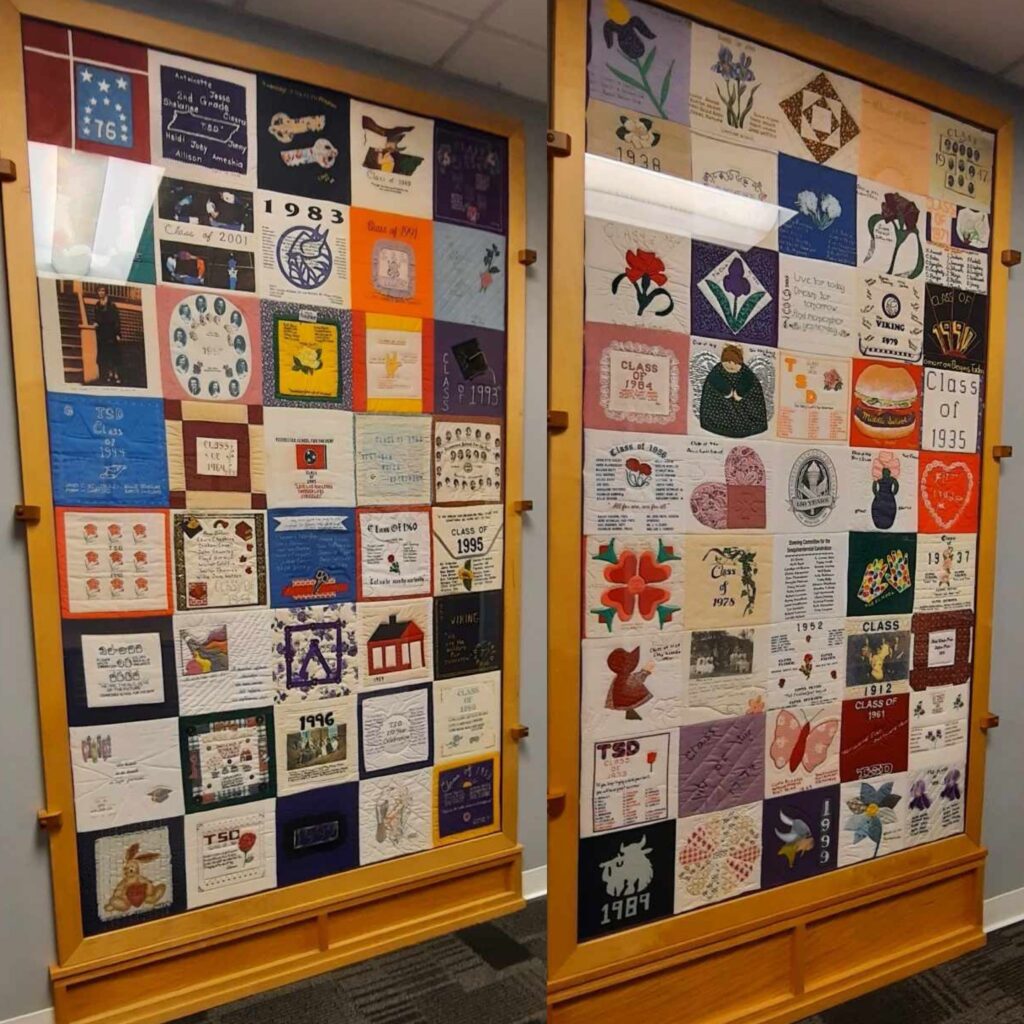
[135, 890]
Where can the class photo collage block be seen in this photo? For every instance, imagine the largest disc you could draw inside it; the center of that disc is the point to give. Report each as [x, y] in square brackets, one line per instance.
[782, 408]
[274, 332]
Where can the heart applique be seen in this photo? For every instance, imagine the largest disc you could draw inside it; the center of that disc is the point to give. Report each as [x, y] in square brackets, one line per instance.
[739, 502]
[946, 490]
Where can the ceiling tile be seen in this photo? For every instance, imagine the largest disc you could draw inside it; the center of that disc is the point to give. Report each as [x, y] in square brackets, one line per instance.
[987, 34]
[526, 19]
[1015, 74]
[496, 60]
[390, 26]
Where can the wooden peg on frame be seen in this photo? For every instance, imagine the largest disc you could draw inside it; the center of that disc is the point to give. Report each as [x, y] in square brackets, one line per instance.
[519, 732]
[1002, 451]
[49, 821]
[8, 171]
[526, 505]
[989, 721]
[559, 143]
[556, 804]
[1010, 257]
[527, 257]
[27, 513]
[558, 420]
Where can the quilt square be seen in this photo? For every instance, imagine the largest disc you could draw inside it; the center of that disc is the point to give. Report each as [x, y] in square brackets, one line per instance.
[878, 652]
[719, 371]
[882, 492]
[468, 460]
[639, 140]
[470, 271]
[874, 819]
[86, 91]
[314, 652]
[935, 804]
[396, 730]
[955, 329]
[107, 451]
[317, 745]
[951, 411]
[312, 556]
[215, 455]
[875, 736]
[731, 487]
[881, 573]
[467, 716]
[125, 773]
[718, 856]
[220, 559]
[799, 836]
[303, 139]
[99, 339]
[469, 370]
[822, 114]
[721, 764]
[395, 815]
[392, 264]
[891, 320]
[468, 548]
[223, 660]
[394, 366]
[825, 200]
[227, 758]
[627, 782]
[229, 852]
[885, 405]
[625, 879]
[393, 459]
[113, 562]
[942, 649]
[119, 672]
[394, 553]
[208, 345]
[307, 355]
[131, 874]
[470, 177]
[802, 748]
[317, 833]
[467, 634]
[946, 577]
[635, 379]
[392, 159]
[467, 796]
[396, 642]
[734, 294]
[310, 458]
[889, 230]
[207, 117]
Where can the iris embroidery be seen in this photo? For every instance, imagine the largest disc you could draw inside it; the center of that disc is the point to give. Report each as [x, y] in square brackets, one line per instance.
[627, 33]
[737, 75]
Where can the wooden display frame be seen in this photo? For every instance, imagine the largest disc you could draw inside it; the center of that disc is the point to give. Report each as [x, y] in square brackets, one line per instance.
[774, 956]
[175, 966]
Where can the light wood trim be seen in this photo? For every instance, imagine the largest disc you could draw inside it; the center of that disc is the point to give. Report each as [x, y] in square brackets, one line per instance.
[598, 961]
[194, 928]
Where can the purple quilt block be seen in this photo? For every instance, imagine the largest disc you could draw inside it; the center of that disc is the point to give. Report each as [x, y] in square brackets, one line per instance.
[799, 835]
[721, 764]
[734, 295]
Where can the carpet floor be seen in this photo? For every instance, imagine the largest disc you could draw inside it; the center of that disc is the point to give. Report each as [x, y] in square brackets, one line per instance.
[495, 974]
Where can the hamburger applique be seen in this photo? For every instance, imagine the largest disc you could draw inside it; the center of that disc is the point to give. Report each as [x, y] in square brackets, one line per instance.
[886, 405]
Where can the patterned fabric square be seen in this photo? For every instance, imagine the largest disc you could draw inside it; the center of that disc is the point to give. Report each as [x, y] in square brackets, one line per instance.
[820, 118]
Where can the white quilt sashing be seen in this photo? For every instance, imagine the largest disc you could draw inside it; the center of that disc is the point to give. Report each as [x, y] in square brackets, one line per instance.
[395, 641]
[468, 458]
[718, 856]
[310, 456]
[126, 773]
[230, 852]
[935, 801]
[873, 818]
[637, 276]
[313, 651]
[468, 548]
[467, 716]
[627, 782]
[317, 744]
[634, 685]
[394, 815]
[134, 873]
[395, 730]
[223, 660]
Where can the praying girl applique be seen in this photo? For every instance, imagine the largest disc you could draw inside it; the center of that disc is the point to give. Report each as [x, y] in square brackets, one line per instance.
[732, 402]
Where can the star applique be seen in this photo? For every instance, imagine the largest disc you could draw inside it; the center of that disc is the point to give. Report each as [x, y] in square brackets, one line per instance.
[820, 118]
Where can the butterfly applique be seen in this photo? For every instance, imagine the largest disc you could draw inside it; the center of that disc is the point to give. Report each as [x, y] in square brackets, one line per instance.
[795, 744]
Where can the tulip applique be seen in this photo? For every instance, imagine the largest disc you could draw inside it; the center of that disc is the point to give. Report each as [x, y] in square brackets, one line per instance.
[643, 270]
[902, 214]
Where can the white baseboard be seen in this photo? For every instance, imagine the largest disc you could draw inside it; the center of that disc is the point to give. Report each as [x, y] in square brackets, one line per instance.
[39, 1017]
[535, 884]
[1005, 909]
[1000, 911]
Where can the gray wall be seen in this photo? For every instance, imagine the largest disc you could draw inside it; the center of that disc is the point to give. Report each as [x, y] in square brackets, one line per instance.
[26, 934]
